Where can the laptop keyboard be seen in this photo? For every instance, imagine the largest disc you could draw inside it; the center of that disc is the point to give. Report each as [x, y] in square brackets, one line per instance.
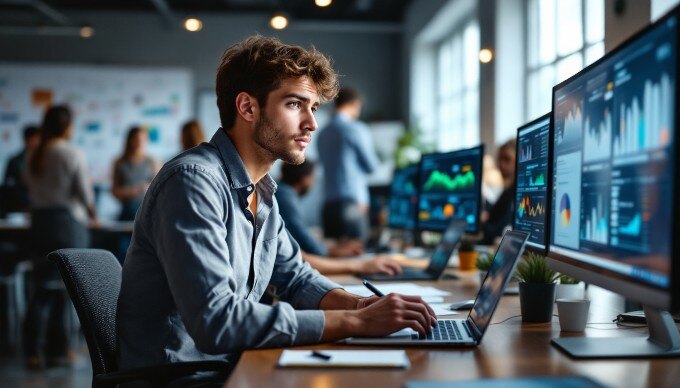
[446, 330]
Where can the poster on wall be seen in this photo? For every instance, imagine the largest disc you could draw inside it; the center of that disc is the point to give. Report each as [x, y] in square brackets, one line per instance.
[105, 100]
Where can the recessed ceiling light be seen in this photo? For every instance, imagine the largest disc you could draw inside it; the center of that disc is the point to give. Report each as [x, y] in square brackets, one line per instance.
[323, 3]
[278, 22]
[485, 55]
[193, 24]
[86, 32]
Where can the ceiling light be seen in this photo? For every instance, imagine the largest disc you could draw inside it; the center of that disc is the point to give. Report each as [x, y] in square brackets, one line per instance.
[86, 32]
[485, 55]
[323, 3]
[193, 24]
[278, 22]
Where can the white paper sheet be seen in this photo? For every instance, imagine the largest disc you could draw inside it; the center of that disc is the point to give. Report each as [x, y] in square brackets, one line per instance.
[398, 288]
[345, 359]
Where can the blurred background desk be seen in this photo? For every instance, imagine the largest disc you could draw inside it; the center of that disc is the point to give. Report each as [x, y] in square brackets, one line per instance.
[509, 349]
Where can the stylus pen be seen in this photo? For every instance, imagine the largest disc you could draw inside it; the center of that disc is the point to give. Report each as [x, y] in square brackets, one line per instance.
[373, 288]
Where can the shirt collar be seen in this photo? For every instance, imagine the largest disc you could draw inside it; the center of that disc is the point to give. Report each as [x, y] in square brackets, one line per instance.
[236, 170]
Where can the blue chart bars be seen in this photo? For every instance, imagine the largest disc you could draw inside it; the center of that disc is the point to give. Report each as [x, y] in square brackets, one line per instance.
[614, 159]
[532, 180]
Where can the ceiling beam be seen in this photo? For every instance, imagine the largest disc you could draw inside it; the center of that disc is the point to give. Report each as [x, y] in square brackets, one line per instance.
[43, 8]
[168, 16]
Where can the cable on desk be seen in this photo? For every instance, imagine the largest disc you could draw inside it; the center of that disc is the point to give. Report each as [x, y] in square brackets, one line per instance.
[506, 319]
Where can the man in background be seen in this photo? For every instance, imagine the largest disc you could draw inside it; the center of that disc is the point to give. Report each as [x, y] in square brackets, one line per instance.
[296, 181]
[16, 191]
[501, 213]
[348, 157]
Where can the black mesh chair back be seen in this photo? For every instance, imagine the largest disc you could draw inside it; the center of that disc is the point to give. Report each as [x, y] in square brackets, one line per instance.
[92, 278]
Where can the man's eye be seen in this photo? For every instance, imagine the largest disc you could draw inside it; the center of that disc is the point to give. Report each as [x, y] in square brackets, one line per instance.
[295, 104]
[314, 109]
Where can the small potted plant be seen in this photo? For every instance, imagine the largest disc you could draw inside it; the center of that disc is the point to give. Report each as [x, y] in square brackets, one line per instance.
[569, 288]
[536, 288]
[467, 256]
[483, 266]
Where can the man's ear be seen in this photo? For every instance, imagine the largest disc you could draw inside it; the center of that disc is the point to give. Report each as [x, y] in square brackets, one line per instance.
[247, 107]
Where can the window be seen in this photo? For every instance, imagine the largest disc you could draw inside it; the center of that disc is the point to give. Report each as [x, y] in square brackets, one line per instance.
[563, 36]
[457, 124]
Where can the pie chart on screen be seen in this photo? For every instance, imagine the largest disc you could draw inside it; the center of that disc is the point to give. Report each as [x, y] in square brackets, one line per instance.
[565, 210]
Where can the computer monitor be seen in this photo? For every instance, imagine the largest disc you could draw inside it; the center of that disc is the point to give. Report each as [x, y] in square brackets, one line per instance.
[403, 200]
[532, 201]
[450, 187]
[615, 186]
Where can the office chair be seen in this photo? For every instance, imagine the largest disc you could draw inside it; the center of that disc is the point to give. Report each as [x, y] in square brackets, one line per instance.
[93, 278]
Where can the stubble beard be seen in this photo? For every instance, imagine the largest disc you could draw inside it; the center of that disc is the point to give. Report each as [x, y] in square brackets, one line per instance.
[273, 141]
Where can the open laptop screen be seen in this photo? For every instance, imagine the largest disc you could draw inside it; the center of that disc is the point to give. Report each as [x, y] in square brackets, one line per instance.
[501, 269]
[450, 239]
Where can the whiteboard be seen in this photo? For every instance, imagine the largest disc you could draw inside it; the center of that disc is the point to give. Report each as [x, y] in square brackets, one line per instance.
[106, 101]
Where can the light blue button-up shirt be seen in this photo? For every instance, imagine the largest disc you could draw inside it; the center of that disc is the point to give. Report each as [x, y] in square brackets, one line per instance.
[348, 157]
[199, 263]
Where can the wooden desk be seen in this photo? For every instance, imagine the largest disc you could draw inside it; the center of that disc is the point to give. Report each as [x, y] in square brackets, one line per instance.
[509, 349]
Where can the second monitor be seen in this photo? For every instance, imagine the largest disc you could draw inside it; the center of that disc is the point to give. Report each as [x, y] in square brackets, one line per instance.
[450, 188]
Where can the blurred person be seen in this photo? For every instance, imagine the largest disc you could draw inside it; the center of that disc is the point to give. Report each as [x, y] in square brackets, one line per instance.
[348, 157]
[192, 135]
[296, 181]
[501, 213]
[133, 172]
[62, 200]
[15, 185]
[492, 181]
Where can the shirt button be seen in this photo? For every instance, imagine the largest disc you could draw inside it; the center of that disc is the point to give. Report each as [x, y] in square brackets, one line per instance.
[249, 188]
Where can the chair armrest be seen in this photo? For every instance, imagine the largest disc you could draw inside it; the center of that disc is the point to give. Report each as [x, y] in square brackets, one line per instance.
[160, 375]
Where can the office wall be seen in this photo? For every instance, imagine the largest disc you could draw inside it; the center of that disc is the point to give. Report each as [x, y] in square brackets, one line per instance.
[367, 60]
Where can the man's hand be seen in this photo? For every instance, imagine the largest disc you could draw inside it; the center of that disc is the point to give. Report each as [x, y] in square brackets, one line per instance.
[377, 317]
[378, 265]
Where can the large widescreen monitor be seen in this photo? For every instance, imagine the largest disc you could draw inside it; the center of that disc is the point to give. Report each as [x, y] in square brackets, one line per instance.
[403, 200]
[532, 180]
[450, 187]
[614, 211]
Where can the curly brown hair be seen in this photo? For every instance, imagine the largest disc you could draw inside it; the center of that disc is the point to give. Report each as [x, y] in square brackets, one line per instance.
[259, 65]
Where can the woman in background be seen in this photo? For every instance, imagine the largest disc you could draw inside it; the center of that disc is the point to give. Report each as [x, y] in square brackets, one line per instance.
[192, 135]
[62, 200]
[132, 173]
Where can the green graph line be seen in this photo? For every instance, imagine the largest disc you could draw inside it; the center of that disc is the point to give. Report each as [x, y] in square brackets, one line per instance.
[440, 180]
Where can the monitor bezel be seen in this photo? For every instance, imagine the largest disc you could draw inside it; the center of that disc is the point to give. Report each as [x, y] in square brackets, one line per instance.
[478, 189]
[530, 246]
[646, 293]
[415, 217]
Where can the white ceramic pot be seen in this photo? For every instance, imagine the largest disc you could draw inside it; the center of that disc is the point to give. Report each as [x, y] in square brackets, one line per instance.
[570, 291]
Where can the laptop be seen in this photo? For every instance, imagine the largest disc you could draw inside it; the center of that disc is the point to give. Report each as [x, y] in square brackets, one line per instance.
[469, 331]
[438, 261]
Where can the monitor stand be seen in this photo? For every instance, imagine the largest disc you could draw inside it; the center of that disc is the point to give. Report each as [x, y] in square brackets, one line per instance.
[663, 341]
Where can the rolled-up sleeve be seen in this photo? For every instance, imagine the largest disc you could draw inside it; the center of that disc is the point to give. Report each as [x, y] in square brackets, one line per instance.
[299, 284]
[190, 238]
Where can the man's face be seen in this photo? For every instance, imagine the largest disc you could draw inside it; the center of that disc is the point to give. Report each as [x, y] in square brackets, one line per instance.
[506, 163]
[286, 123]
[32, 141]
[306, 184]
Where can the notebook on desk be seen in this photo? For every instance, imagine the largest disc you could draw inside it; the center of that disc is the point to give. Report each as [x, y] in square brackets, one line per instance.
[465, 332]
[438, 261]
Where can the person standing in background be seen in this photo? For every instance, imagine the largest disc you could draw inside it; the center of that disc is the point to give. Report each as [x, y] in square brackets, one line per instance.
[62, 200]
[192, 135]
[348, 157]
[296, 180]
[17, 192]
[132, 173]
[501, 213]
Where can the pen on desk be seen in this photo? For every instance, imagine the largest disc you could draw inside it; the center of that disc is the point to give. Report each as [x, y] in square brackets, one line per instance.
[373, 288]
[320, 355]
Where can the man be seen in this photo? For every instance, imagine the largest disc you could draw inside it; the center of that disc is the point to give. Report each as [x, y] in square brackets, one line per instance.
[501, 213]
[208, 238]
[17, 193]
[347, 154]
[296, 180]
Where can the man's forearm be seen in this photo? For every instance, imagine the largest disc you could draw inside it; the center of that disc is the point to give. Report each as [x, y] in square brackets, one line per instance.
[339, 299]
